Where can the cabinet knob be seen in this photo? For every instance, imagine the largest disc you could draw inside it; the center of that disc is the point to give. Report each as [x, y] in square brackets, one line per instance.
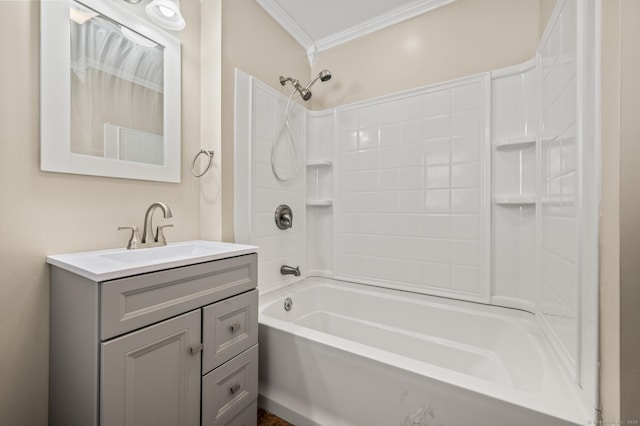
[196, 348]
[235, 327]
[235, 388]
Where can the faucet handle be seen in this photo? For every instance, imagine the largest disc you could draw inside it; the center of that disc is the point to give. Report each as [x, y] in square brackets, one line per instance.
[160, 234]
[134, 241]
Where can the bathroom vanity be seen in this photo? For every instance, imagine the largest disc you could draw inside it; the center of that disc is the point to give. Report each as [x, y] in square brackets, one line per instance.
[159, 336]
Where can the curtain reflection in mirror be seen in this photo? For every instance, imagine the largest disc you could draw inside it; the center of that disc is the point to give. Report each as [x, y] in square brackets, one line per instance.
[116, 91]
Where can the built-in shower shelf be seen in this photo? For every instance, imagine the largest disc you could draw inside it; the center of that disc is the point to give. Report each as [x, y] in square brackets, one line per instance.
[558, 199]
[320, 203]
[320, 163]
[516, 142]
[516, 199]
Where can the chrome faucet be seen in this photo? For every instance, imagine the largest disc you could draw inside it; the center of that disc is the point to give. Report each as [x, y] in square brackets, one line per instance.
[147, 235]
[149, 238]
[290, 270]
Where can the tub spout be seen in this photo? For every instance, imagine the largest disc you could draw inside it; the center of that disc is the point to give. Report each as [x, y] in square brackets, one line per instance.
[290, 270]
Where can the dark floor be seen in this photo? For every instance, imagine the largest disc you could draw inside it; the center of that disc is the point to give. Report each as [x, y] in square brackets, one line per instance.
[265, 418]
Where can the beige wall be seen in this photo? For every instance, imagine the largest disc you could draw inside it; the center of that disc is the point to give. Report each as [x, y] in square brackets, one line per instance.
[256, 44]
[629, 210]
[457, 40]
[546, 9]
[48, 213]
[211, 132]
[610, 215]
[619, 230]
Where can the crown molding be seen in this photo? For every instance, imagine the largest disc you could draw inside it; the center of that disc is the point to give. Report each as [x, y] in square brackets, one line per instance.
[393, 16]
[277, 12]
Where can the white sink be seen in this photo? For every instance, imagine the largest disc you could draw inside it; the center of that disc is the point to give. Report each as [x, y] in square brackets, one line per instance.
[159, 254]
[106, 265]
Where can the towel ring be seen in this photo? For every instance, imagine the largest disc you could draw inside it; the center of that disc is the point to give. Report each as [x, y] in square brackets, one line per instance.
[209, 154]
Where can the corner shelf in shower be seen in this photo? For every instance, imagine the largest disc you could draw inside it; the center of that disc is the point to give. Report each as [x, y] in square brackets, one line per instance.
[320, 163]
[516, 142]
[558, 199]
[320, 203]
[515, 200]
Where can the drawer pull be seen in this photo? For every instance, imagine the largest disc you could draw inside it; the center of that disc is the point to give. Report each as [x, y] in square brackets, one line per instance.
[235, 388]
[235, 327]
[196, 348]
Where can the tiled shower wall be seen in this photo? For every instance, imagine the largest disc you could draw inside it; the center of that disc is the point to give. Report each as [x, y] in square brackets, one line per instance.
[277, 247]
[559, 174]
[411, 196]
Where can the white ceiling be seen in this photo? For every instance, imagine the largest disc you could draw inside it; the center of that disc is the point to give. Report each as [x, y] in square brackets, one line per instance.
[321, 24]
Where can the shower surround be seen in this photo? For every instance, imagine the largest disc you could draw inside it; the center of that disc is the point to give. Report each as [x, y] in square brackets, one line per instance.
[483, 189]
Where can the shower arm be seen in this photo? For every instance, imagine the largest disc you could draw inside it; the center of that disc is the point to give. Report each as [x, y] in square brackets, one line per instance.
[311, 82]
[294, 82]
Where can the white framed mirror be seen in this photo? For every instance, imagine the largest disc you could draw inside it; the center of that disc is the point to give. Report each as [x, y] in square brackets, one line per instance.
[110, 93]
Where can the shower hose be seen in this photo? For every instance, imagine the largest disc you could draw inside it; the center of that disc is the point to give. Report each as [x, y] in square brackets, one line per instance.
[284, 127]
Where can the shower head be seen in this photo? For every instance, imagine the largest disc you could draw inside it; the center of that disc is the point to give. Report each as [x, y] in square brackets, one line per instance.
[325, 75]
[304, 92]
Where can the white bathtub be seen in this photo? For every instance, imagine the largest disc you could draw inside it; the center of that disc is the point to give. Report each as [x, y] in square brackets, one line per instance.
[350, 354]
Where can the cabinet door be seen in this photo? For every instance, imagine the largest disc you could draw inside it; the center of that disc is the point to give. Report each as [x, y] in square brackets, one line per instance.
[152, 376]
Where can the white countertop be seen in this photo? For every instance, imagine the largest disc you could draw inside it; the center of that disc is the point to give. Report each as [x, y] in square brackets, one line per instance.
[104, 265]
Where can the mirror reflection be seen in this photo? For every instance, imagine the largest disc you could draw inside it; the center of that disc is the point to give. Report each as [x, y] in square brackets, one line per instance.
[117, 88]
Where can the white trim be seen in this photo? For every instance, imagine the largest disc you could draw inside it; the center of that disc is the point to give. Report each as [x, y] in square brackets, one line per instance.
[486, 240]
[514, 69]
[392, 17]
[282, 17]
[313, 47]
[581, 76]
[590, 116]
[242, 170]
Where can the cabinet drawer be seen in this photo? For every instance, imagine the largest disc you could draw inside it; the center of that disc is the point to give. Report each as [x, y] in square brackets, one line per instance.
[229, 327]
[228, 389]
[247, 417]
[131, 303]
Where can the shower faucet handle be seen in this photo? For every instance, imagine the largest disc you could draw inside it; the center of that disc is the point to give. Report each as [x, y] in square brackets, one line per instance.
[284, 217]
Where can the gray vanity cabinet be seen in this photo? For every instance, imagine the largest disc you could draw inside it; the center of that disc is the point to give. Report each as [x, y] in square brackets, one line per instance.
[170, 347]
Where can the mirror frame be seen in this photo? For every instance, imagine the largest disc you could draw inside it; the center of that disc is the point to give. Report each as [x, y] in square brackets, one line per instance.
[55, 97]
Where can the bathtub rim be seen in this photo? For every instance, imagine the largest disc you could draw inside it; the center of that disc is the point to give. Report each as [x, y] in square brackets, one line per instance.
[579, 410]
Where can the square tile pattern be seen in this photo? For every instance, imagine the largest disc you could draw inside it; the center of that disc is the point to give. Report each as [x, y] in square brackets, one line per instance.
[409, 190]
[277, 247]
